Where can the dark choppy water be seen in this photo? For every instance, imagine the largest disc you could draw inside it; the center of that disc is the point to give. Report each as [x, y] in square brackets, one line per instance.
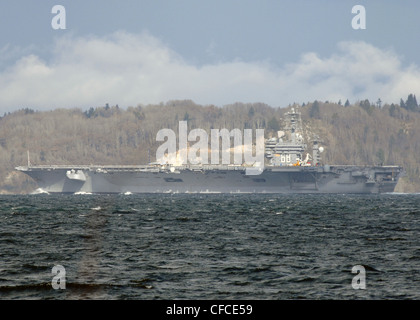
[210, 246]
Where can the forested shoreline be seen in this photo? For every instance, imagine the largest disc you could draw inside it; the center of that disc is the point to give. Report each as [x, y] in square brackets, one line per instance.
[362, 133]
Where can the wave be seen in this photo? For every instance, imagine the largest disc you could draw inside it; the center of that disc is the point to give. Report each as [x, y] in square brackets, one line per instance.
[24, 287]
[124, 211]
[39, 191]
[402, 193]
[143, 283]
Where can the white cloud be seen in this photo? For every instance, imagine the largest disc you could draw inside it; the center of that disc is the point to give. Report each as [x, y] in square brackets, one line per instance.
[128, 69]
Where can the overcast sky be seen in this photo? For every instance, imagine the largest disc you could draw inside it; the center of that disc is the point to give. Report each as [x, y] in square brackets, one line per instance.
[277, 52]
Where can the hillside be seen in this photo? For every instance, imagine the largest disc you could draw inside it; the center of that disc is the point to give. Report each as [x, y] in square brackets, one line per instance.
[354, 134]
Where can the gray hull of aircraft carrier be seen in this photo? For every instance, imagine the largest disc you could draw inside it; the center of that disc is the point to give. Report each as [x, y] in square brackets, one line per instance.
[214, 179]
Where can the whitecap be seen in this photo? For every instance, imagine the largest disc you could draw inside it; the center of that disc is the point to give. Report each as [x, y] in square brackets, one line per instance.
[82, 192]
[40, 191]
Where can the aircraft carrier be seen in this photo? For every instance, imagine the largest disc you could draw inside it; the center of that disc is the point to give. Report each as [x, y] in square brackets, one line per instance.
[288, 168]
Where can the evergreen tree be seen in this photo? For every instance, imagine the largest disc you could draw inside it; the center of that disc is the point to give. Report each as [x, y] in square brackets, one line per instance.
[365, 104]
[314, 112]
[90, 113]
[402, 104]
[411, 103]
[273, 124]
[347, 103]
[392, 110]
